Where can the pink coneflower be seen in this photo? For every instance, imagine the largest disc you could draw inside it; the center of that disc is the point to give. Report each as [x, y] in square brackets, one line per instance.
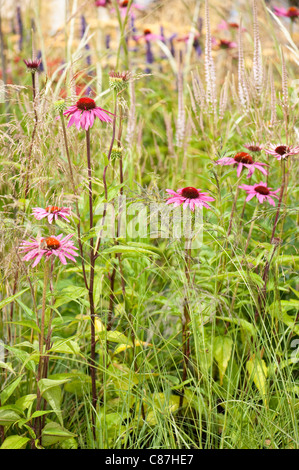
[292, 12]
[32, 64]
[224, 43]
[261, 191]
[84, 112]
[282, 151]
[149, 36]
[243, 159]
[102, 3]
[225, 25]
[123, 7]
[52, 212]
[47, 246]
[254, 147]
[189, 197]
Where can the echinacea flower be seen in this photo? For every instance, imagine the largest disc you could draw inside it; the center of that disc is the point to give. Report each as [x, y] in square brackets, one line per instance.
[189, 197]
[49, 246]
[149, 36]
[282, 151]
[195, 44]
[292, 12]
[123, 7]
[32, 65]
[254, 147]
[84, 112]
[226, 25]
[102, 3]
[224, 43]
[261, 191]
[52, 212]
[243, 159]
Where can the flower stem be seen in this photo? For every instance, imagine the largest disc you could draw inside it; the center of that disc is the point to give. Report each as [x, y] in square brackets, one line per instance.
[76, 200]
[283, 184]
[38, 429]
[32, 137]
[104, 176]
[91, 289]
[185, 324]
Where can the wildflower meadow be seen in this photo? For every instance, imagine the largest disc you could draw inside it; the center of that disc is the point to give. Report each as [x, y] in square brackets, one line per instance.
[148, 212]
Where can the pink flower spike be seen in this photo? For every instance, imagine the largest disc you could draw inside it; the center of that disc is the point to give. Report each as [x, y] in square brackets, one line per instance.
[243, 160]
[49, 246]
[282, 151]
[189, 196]
[83, 113]
[52, 213]
[261, 191]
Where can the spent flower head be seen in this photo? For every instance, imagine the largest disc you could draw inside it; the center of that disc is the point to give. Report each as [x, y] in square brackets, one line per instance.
[119, 81]
[32, 65]
[60, 106]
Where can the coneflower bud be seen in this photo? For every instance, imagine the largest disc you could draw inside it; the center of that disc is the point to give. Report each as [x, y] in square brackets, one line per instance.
[118, 81]
[116, 153]
[60, 106]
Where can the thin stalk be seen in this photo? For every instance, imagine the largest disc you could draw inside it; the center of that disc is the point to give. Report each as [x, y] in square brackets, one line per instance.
[33, 135]
[76, 200]
[91, 289]
[185, 324]
[282, 188]
[104, 176]
[38, 429]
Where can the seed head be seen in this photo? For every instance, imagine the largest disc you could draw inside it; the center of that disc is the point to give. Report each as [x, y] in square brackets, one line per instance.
[118, 81]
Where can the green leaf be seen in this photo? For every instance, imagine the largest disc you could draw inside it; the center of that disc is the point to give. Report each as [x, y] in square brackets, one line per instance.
[244, 324]
[51, 391]
[54, 397]
[8, 416]
[222, 353]
[7, 365]
[8, 391]
[27, 323]
[25, 308]
[69, 294]
[14, 442]
[53, 433]
[258, 372]
[281, 314]
[25, 402]
[10, 299]
[65, 347]
[47, 384]
[115, 337]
